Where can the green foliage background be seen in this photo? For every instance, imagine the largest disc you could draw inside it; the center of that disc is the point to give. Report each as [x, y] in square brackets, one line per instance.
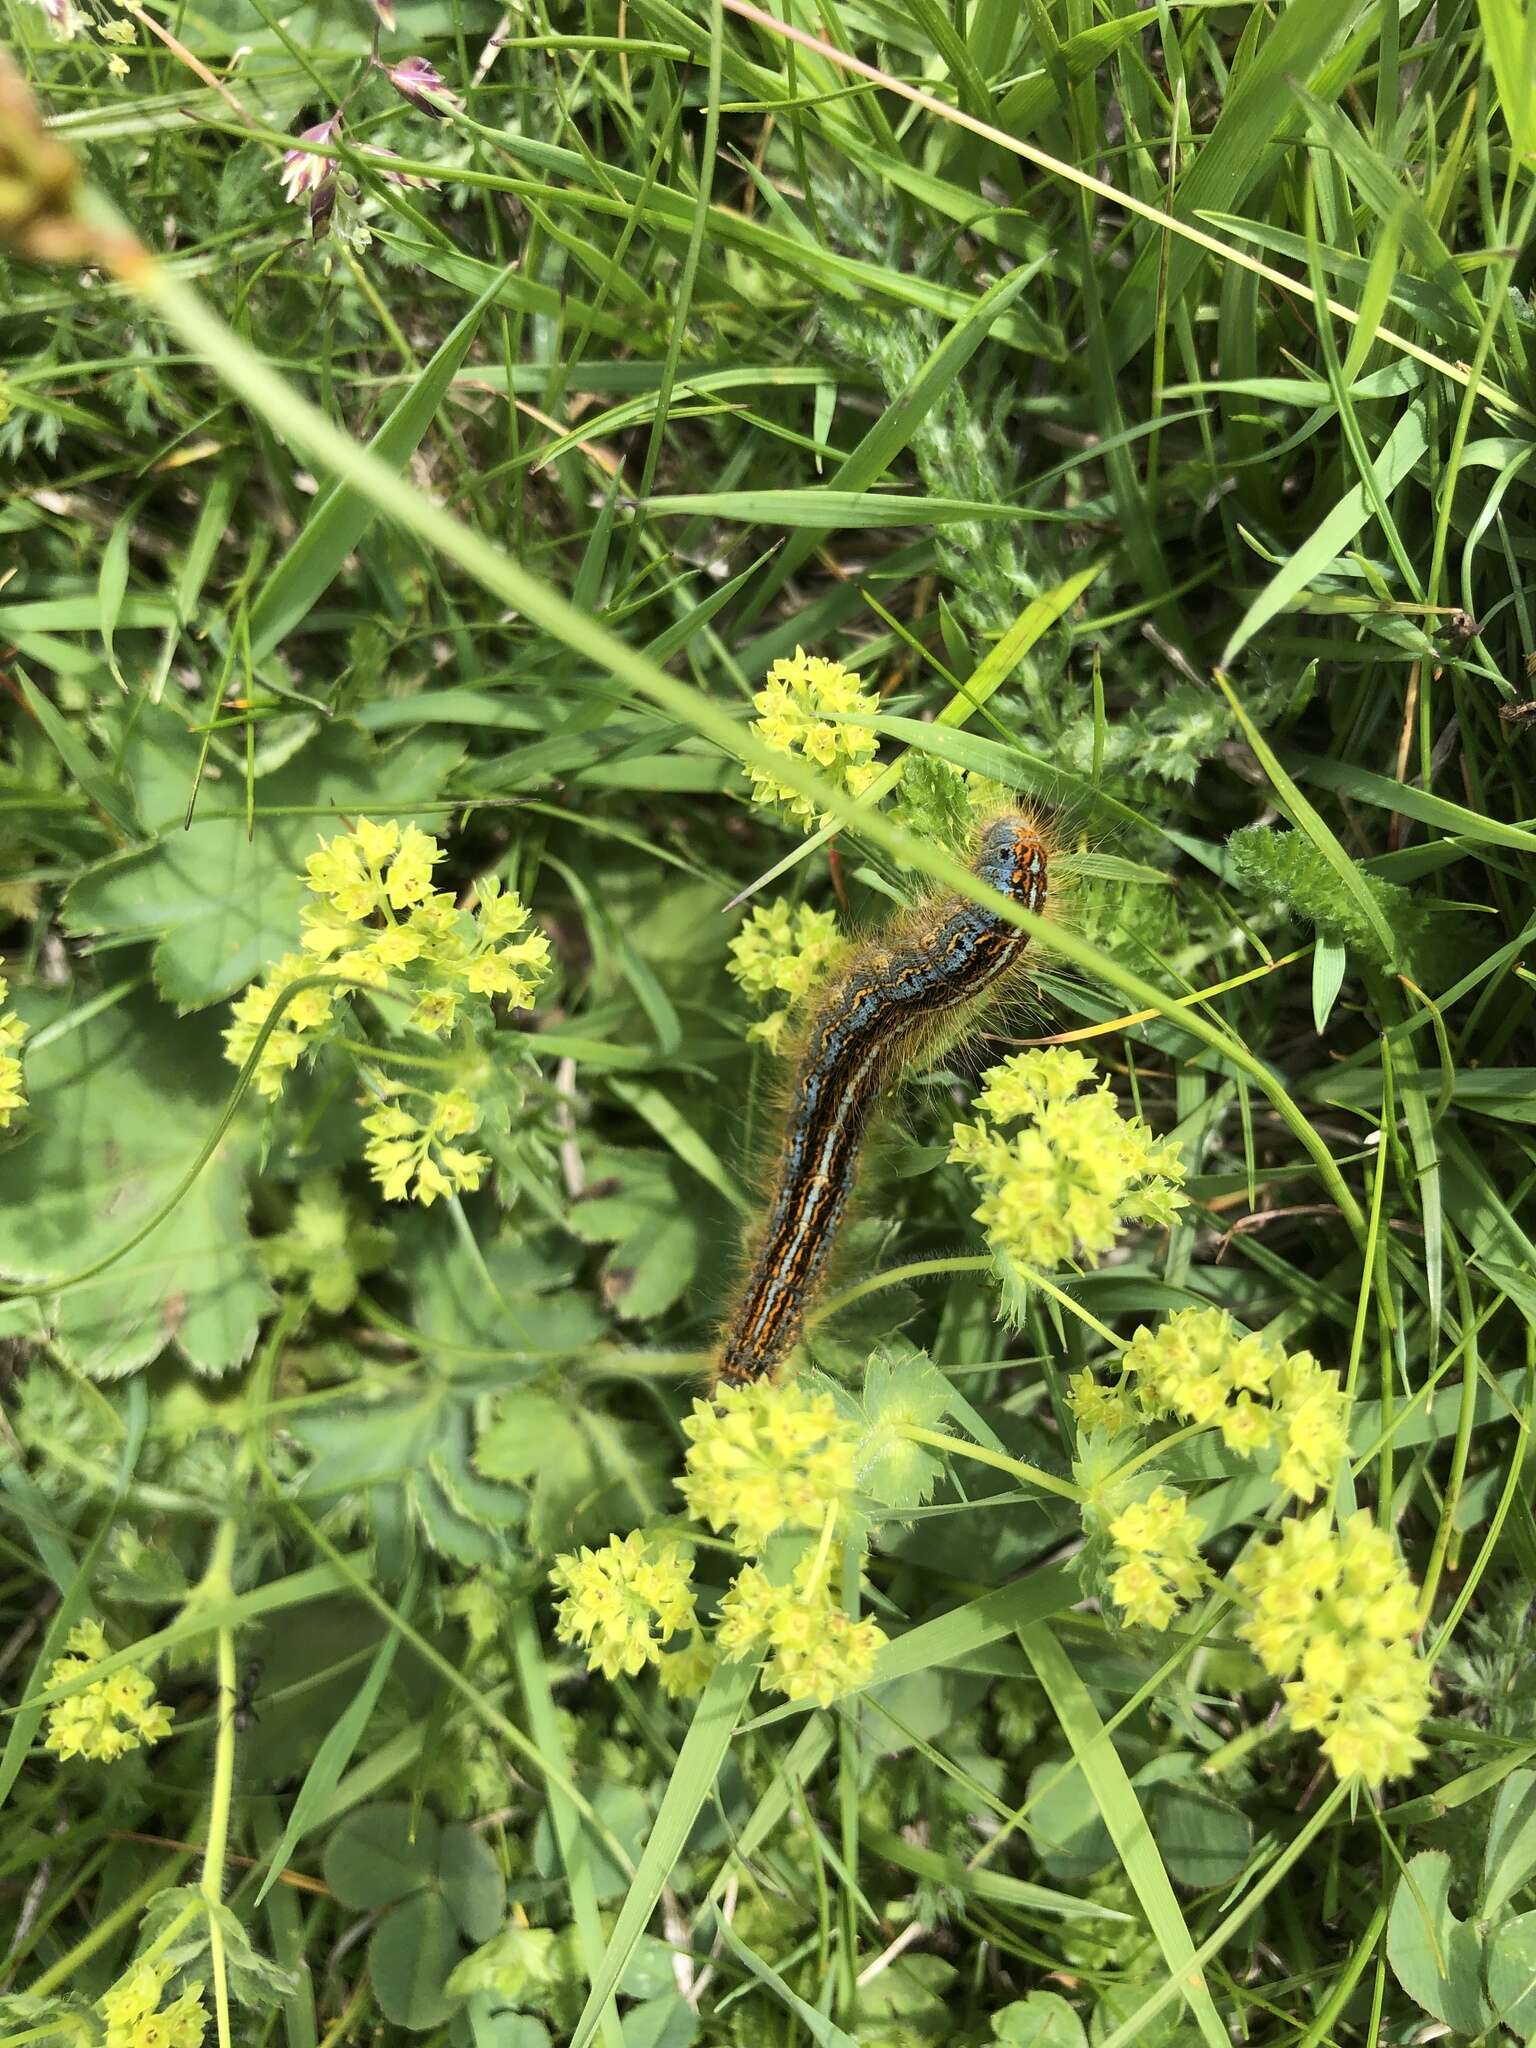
[1198, 510]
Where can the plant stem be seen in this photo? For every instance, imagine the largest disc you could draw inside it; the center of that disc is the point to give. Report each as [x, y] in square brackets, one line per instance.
[1027, 1475]
[218, 1583]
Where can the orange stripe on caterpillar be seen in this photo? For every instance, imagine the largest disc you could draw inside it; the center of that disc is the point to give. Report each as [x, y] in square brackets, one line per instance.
[864, 1029]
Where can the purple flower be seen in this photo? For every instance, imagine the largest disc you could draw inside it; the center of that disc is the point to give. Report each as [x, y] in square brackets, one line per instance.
[303, 171]
[420, 82]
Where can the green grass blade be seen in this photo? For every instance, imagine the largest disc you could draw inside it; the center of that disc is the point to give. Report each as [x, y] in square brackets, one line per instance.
[893, 431]
[341, 514]
[600, 2012]
[1119, 1809]
[698, 1765]
[312, 1802]
[1333, 534]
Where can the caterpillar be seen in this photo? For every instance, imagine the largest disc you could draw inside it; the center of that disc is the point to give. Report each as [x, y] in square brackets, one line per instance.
[866, 1026]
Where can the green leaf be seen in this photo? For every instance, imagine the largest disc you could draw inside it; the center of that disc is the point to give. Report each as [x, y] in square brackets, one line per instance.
[1238, 150]
[640, 1202]
[626, 1813]
[492, 2029]
[340, 515]
[1357, 887]
[1510, 1857]
[517, 1440]
[252, 1979]
[1064, 1824]
[699, 1763]
[1334, 532]
[826, 510]
[108, 792]
[112, 586]
[903, 1388]
[1509, 38]
[665, 2022]
[221, 905]
[382, 1853]
[1330, 958]
[473, 1887]
[1512, 1974]
[894, 429]
[411, 1955]
[1434, 1956]
[1042, 2020]
[121, 1105]
[1116, 1801]
[313, 1800]
[590, 1474]
[576, 1843]
[1205, 1841]
[823, 2032]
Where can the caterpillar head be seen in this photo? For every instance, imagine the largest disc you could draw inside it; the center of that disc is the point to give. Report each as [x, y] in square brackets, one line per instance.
[1012, 858]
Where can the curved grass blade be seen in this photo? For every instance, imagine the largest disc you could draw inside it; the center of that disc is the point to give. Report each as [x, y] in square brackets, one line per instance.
[342, 514]
[698, 1765]
[1114, 1796]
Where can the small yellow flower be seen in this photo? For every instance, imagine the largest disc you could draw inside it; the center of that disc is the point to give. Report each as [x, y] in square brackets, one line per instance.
[303, 1015]
[1199, 1366]
[409, 880]
[117, 66]
[514, 971]
[1065, 1185]
[1028, 1085]
[13, 1094]
[376, 918]
[415, 1157]
[815, 1650]
[621, 1603]
[798, 706]
[435, 1011]
[765, 1457]
[783, 950]
[1332, 1614]
[135, 2019]
[1313, 1413]
[1157, 1540]
[107, 1717]
[117, 30]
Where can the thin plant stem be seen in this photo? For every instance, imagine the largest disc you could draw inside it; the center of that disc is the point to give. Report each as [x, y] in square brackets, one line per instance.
[958, 1447]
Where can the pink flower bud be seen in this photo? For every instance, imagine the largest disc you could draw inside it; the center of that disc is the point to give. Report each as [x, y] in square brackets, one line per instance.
[306, 173]
[420, 82]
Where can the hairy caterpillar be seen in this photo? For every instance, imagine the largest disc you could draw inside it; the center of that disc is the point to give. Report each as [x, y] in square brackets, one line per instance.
[865, 1027]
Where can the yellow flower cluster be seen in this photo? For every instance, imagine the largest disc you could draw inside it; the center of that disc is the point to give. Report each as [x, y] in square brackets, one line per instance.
[1067, 1183]
[795, 704]
[783, 950]
[302, 1016]
[1200, 1366]
[13, 1095]
[416, 1156]
[1160, 1570]
[815, 1650]
[112, 1714]
[135, 2018]
[1333, 1615]
[765, 1457]
[621, 1603]
[378, 920]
